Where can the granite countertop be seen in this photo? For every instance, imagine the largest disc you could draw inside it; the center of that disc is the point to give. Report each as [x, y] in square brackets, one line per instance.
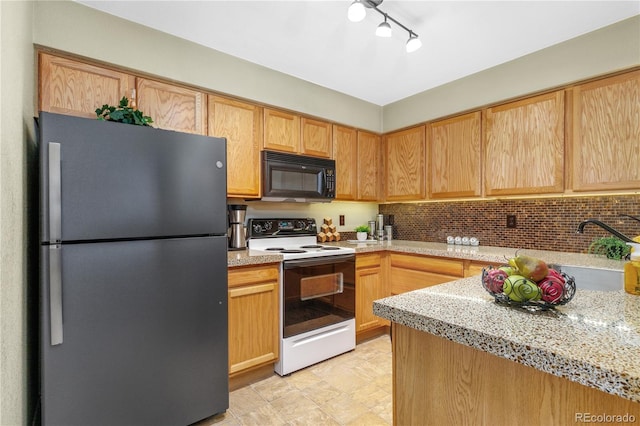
[593, 340]
[475, 253]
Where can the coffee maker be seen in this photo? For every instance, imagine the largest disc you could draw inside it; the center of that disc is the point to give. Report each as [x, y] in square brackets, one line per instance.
[237, 233]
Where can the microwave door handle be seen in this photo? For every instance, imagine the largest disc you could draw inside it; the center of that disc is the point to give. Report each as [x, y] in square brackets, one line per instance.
[323, 190]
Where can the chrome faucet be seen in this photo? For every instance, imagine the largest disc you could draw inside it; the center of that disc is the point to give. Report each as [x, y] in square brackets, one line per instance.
[604, 226]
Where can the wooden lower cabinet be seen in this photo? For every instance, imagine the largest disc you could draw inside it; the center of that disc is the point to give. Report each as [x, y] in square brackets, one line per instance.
[253, 317]
[440, 382]
[371, 284]
[474, 267]
[408, 272]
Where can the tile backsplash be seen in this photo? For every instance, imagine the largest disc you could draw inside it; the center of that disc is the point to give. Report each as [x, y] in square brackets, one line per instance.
[542, 223]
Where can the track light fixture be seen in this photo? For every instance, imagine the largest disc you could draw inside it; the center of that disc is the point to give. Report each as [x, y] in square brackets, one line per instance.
[384, 29]
[358, 10]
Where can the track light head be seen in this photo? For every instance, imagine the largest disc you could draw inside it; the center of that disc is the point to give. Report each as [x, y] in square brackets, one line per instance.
[413, 43]
[356, 11]
[384, 29]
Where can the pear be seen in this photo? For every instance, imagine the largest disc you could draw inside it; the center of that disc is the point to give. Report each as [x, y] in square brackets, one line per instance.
[530, 267]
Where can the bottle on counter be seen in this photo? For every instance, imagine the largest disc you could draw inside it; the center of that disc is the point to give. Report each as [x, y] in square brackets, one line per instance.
[632, 271]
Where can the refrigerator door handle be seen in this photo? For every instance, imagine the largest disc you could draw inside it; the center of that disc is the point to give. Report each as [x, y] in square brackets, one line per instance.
[55, 194]
[55, 293]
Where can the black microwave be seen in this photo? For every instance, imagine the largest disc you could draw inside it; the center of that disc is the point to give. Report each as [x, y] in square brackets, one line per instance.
[297, 178]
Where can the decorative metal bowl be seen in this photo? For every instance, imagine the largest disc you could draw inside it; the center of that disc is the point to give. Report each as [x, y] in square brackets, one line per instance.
[550, 292]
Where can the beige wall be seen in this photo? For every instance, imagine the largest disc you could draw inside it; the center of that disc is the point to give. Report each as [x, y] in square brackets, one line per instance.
[609, 49]
[16, 117]
[77, 29]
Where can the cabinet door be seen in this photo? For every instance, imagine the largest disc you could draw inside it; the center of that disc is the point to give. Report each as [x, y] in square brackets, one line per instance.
[73, 88]
[253, 317]
[345, 153]
[316, 138]
[405, 170]
[454, 156]
[172, 107]
[370, 286]
[281, 131]
[606, 134]
[369, 166]
[524, 146]
[241, 124]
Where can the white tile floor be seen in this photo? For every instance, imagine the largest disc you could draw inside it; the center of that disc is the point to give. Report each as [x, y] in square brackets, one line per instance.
[350, 389]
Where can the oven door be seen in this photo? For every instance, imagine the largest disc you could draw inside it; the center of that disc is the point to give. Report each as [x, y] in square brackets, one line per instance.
[318, 292]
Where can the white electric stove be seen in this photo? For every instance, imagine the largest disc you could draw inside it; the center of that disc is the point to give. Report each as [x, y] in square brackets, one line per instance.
[317, 291]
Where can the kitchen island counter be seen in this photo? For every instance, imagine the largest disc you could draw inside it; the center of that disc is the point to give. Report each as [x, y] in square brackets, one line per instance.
[594, 340]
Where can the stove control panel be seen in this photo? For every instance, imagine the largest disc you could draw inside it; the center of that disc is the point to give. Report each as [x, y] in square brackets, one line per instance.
[265, 228]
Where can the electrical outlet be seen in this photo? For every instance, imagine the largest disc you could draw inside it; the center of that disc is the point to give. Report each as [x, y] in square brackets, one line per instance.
[511, 221]
[341, 220]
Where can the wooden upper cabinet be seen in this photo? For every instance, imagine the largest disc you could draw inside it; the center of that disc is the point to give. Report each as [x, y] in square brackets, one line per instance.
[74, 88]
[345, 153]
[606, 134]
[172, 107]
[405, 154]
[241, 124]
[454, 147]
[524, 146]
[369, 166]
[281, 131]
[316, 138]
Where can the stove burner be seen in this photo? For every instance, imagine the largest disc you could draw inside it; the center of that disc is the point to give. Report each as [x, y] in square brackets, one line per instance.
[293, 251]
[275, 248]
[330, 248]
[311, 246]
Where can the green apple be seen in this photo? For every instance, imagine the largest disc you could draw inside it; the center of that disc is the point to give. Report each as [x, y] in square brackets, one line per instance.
[520, 289]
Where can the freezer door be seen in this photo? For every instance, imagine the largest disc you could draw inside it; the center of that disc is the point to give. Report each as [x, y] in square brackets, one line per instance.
[144, 337]
[104, 180]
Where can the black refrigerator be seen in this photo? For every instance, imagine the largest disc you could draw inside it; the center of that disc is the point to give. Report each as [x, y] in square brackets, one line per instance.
[133, 282]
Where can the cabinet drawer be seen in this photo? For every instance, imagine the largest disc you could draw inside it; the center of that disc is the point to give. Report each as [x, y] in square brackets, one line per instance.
[451, 267]
[404, 280]
[368, 260]
[253, 274]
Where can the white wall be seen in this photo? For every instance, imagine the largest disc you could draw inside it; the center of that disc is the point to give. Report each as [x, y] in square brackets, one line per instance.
[609, 49]
[16, 122]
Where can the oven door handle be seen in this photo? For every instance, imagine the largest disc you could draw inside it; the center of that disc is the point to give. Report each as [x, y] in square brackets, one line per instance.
[324, 260]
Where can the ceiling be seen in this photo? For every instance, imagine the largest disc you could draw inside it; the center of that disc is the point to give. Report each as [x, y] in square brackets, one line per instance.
[314, 40]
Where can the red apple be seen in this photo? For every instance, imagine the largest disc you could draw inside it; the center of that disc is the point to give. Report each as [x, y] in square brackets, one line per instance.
[552, 289]
[493, 279]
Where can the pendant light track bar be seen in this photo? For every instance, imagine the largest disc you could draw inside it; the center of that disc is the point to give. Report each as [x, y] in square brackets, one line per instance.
[374, 6]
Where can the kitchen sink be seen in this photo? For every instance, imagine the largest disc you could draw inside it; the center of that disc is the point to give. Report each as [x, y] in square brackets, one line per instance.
[594, 278]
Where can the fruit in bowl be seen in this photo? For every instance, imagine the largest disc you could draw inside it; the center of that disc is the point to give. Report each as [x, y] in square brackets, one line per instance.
[528, 281]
